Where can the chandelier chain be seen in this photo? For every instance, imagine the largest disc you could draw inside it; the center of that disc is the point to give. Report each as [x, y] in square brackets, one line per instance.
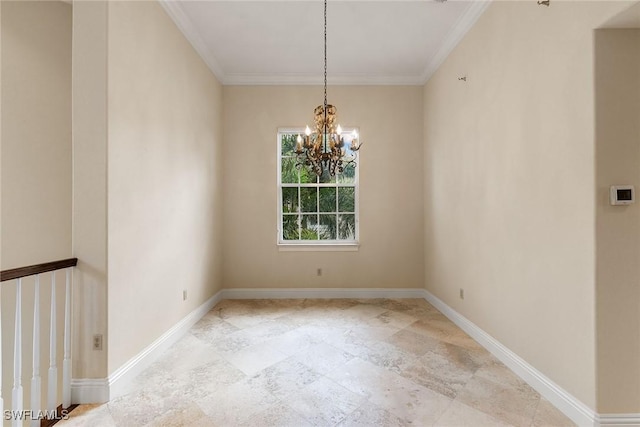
[322, 150]
[325, 56]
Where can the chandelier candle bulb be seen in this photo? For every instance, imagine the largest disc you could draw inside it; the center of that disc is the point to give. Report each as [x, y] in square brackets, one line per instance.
[299, 145]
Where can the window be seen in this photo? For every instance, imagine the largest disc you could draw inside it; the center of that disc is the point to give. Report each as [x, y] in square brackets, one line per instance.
[315, 210]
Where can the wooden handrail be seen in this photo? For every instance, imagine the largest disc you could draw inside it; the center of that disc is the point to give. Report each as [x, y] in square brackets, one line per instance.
[16, 273]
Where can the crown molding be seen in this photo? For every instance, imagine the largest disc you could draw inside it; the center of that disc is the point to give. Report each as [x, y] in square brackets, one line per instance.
[184, 24]
[462, 26]
[459, 30]
[300, 79]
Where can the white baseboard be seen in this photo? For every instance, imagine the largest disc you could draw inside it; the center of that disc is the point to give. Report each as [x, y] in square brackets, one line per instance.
[118, 383]
[102, 390]
[573, 408]
[86, 390]
[619, 420]
[120, 379]
[321, 293]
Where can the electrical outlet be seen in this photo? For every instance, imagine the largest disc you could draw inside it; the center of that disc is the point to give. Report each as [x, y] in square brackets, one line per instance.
[184, 295]
[97, 342]
[319, 272]
[461, 293]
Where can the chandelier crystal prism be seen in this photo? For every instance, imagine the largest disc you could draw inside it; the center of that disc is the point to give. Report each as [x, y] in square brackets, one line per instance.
[323, 148]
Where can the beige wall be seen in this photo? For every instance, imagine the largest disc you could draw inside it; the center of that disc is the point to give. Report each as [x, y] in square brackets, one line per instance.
[618, 227]
[35, 224]
[164, 178]
[509, 173]
[90, 186]
[36, 132]
[502, 205]
[36, 191]
[391, 221]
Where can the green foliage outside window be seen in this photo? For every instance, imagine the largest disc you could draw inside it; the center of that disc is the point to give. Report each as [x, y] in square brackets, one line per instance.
[315, 208]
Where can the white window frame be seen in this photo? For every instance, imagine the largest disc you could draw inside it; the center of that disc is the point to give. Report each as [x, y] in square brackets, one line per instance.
[315, 245]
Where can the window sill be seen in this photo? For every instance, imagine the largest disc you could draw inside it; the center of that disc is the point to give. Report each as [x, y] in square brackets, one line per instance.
[318, 247]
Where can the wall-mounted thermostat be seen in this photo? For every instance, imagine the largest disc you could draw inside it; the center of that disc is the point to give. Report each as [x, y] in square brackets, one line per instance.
[622, 194]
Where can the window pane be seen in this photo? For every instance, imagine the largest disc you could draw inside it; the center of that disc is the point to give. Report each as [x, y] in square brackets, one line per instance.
[289, 171]
[288, 144]
[315, 209]
[348, 138]
[326, 178]
[309, 199]
[327, 228]
[289, 199]
[327, 199]
[347, 227]
[290, 227]
[307, 176]
[346, 199]
[348, 176]
[309, 227]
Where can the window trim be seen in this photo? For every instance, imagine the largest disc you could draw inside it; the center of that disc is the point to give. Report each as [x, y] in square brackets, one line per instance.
[314, 245]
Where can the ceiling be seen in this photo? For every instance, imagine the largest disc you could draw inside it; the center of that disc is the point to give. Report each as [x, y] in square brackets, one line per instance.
[281, 42]
[629, 18]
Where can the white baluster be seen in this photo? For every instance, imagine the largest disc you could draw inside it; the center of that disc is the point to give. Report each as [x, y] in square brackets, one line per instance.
[16, 401]
[66, 363]
[36, 381]
[53, 369]
[1, 399]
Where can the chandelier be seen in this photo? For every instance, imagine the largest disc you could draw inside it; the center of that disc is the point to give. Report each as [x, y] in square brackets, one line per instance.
[323, 148]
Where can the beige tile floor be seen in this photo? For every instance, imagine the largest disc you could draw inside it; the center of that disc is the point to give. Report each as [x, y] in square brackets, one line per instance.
[340, 362]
